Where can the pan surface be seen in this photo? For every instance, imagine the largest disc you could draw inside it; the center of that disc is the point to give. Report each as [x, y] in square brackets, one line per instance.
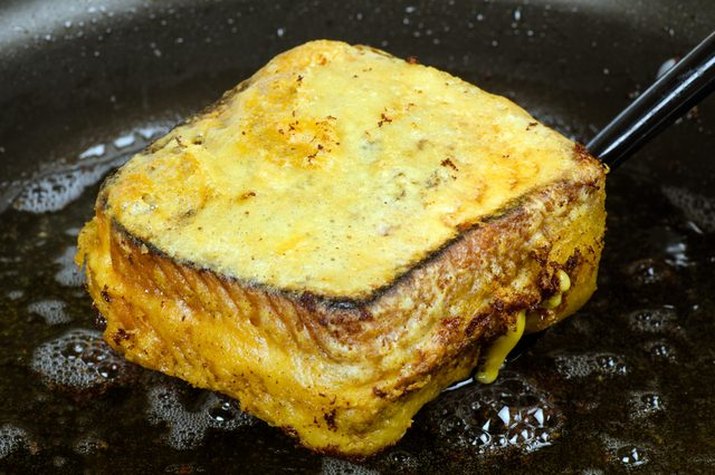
[624, 385]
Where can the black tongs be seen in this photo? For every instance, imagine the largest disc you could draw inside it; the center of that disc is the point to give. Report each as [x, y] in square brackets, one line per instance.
[677, 91]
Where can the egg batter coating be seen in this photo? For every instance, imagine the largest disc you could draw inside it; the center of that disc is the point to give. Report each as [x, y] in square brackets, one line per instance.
[335, 240]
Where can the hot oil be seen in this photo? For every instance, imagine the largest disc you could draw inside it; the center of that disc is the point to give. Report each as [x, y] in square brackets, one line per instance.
[624, 384]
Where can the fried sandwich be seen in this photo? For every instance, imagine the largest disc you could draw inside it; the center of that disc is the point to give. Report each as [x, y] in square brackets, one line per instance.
[339, 238]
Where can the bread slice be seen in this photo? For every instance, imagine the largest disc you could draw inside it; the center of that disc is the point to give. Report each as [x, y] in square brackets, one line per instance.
[336, 239]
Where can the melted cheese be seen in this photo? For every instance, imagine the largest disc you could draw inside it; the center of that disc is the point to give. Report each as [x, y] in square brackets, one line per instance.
[336, 169]
[564, 285]
[498, 351]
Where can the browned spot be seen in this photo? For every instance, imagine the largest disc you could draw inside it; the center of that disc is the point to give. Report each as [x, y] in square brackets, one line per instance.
[102, 199]
[548, 280]
[449, 330]
[452, 323]
[531, 125]
[573, 261]
[447, 162]
[383, 119]
[365, 314]
[246, 195]
[540, 254]
[412, 60]
[120, 336]
[188, 213]
[582, 154]
[330, 420]
[309, 302]
[520, 302]
[105, 294]
[498, 305]
[379, 392]
[464, 227]
[497, 316]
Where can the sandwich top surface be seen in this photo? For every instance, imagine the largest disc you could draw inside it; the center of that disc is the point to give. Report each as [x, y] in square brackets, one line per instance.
[334, 170]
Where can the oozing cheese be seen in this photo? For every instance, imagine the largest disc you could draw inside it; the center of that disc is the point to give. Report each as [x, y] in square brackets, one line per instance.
[564, 285]
[499, 349]
[502, 346]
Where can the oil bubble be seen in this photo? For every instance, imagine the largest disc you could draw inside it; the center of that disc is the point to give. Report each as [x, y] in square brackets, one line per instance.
[52, 311]
[661, 350]
[642, 404]
[516, 14]
[575, 366]
[398, 461]
[55, 187]
[663, 320]
[80, 361]
[124, 141]
[631, 456]
[624, 453]
[509, 414]
[69, 274]
[648, 271]
[184, 468]
[15, 294]
[12, 439]
[53, 192]
[93, 152]
[665, 67]
[223, 411]
[90, 444]
[149, 132]
[187, 429]
[333, 466]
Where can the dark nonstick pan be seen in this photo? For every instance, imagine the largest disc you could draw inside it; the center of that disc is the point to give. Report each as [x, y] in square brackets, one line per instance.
[624, 385]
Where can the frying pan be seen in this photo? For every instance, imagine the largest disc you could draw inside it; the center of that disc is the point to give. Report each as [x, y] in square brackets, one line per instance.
[624, 385]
